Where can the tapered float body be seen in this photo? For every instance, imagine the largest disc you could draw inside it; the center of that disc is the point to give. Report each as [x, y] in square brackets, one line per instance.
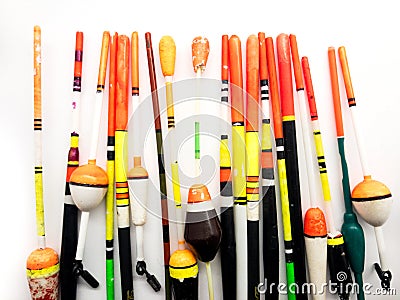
[42, 266]
[315, 236]
[203, 228]
[42, 269]
[372, 199]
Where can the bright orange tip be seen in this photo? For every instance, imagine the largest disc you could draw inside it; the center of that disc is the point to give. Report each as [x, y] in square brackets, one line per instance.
[346, 72]
[335, 91]
[252, 82]
[285, 75]
[79, 40]
[309, 87]
[200, 51]
[198, 193]
[273, 84]
[135, 61]
[224, 58]
[314, 223]
[296, 62]
[41, 259]
[263, 57]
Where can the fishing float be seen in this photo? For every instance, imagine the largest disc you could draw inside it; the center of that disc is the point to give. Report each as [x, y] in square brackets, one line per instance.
[121, 183]
[89, 183]
[138, 178]
[315, 229]
[238, 164]
[270, 222]
[353, 233]
[253, 165]
[202, 226]
[203, 229]
[42, 265]
[338, 263]
[161, 169]
[291, 159]
[372, 199]
[280, 152]
[183, 264]
[111, 171]
[69, 240]
[228, 243]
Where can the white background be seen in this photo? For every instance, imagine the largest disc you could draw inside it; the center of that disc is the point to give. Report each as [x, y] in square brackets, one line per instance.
[369, 30]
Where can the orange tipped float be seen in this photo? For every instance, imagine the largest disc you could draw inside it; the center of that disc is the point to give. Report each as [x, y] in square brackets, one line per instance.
[372, 199]
[42, 267]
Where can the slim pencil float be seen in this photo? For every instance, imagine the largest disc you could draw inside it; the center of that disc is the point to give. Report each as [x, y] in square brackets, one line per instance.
[270, 222]
[280, 152]
[228, 243]
[253, 165]
[42, 265]
[161, 170]
[121, 183]
[291, 160]
[111, 171]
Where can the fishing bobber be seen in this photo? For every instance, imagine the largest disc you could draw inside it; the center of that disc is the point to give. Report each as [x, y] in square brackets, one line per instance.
[42, 269]
[138, 180]
[203, 228]
[183, 270]
[88, 185]
[372, 200]
[315, 236]
[203, 231]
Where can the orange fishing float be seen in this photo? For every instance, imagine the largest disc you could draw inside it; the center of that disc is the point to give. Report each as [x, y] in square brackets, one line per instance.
[372, 199]
[42, 265]
[89, 182]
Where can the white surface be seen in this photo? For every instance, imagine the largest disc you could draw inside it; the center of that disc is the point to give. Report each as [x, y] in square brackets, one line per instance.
[369, 30]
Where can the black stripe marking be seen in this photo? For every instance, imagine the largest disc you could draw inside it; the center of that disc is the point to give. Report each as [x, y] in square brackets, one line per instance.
[89, 185]
[314, 236]
[225, 81]
[184, 267]
[371, 198]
